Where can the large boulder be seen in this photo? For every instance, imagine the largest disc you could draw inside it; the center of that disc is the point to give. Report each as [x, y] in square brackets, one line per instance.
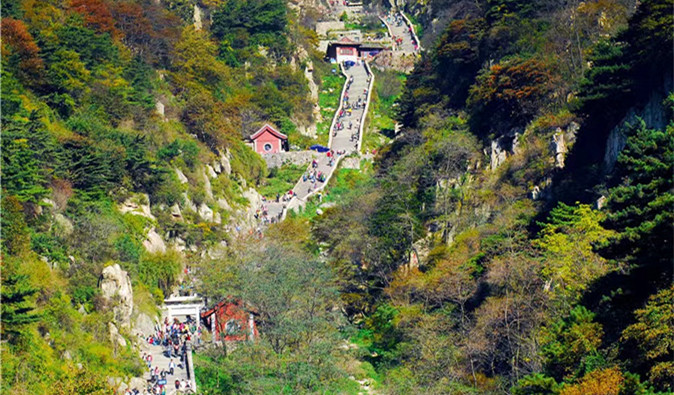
[154, 242]
[117, 294]
[143, 324]
[138, 383]
[115, 337]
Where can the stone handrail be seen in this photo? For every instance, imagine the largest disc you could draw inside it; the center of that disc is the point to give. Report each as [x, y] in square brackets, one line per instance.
[414, 33]
[341, 103]
[297, 202]
[189, 364]
[367, 105]
[390, 33]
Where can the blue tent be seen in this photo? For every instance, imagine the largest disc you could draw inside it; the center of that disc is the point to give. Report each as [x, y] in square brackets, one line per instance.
[319, 148]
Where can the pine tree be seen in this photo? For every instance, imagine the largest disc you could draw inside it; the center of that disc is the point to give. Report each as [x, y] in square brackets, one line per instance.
[641, 206]
[17, 308]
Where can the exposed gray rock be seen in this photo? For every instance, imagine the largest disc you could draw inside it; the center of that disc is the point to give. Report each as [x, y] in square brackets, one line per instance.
[205, 212]
[64, 225]
[351, 163]
[497, 154]
[176, 213]
[198, 24]
[328, 204]
[143, 324]
[179, 244]
[181, 176]
[211, 171]
[137, 205]
[224, 161]
[207, 185]
[138, 383]
[559, 147]
[217, 167]
[653, 115]
[159, 107]
[599, 204]
[117, 293]
[154, 242]
[223, 204]
[115, 337]
[189, 203]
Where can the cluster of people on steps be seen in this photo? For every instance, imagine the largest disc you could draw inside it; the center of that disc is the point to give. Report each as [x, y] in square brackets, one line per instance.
[347, 109]
[397, 20]
[173, 338]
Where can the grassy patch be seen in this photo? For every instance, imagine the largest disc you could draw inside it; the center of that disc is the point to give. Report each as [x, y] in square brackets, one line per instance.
[328, 100]
[346, 180]
[380, 122]
[281, 180]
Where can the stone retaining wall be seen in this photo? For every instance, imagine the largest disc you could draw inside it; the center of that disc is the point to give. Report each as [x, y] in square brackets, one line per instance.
[292, 157]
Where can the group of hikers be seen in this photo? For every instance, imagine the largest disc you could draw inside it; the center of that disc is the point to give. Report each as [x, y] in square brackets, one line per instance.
[173, 338]
[262, 213]
[314, 175]
[347, 109]
[398, 20]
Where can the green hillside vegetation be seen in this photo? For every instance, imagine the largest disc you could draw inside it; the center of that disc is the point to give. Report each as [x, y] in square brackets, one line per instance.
[467, 258]
[513, 294]
[80, 82]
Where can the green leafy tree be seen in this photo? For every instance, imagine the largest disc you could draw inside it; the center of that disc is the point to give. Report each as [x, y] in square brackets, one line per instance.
[640, 208]
[653, 335]
[15, 232]
[567, 242]
[509, 94]
[256, 22]
[535, 384]
[28, 158]
[18, 303]
[570, 342]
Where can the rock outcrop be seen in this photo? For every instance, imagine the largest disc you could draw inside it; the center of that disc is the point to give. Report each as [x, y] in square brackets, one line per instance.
[143, 324]
[115, 337]
[154, 242]
[137, 205]
[117, 294]
[224, 162]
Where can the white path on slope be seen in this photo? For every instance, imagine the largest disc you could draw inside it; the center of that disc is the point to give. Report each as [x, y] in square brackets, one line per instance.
[161, 361]
[345, 140]
[399, 27]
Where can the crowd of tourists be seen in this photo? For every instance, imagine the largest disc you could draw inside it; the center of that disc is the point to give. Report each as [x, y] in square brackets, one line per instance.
[344, 120]
[262, 213]
[398, 20]
[173, 337]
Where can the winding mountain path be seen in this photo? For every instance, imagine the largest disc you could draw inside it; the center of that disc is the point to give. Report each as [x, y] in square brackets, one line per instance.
[399, 27]
[343, 141]
[162, 361]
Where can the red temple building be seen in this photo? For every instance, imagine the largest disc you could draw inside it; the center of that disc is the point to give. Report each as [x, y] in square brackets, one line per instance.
[230, 320]
[268, 140]
[346, 49]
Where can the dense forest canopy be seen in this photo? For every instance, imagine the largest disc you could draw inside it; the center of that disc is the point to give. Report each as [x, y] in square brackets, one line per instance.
[513, 233]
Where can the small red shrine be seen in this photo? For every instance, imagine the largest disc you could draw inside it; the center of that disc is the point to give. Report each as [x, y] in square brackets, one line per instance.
[268, 140]
[231, 320]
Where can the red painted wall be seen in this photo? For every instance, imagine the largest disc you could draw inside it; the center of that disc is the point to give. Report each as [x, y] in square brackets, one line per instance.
[264, 138]
[228, 311]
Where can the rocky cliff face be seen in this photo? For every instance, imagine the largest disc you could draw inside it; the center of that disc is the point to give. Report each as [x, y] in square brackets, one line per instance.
[653, 115]
[117, 293]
